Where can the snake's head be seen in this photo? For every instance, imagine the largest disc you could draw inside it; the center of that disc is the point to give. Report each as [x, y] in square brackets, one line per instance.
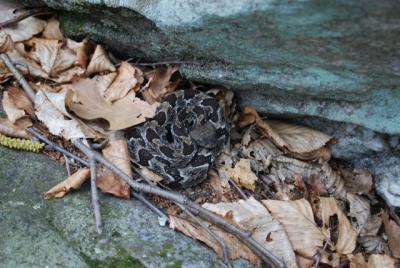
[204, 135]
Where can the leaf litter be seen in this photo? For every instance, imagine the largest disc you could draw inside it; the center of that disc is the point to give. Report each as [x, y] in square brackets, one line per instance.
[302, 206]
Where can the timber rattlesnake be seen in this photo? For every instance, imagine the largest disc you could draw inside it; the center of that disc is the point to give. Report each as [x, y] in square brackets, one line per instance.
[183, 139]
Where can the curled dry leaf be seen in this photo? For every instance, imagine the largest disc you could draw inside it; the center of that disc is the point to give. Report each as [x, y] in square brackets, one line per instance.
[87, 103]
[6, 43]
[100, 62]
[45, 51]
[20, 99]
[252, 216]
[393, 233]
[236, 248]
[117, 152]
[13, 112]
[303, 142]
[359, 211]
[52, 30]
[159, 84]
[297, 219]
[9, 129]
[374, 261]
[69, 75]
[23, 30]
[123, 83]
[73, 182]
[241, 174]
[50, 109]
[82, 50]
[27, 66]
[65, 59]
[347, 236]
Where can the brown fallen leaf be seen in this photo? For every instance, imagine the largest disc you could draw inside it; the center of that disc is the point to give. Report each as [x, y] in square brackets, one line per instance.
[6, 43]
[123, 83]
[45, 51]
[9, 129]
[297, 219]
[103, 82]
[117, 152]
[301, 141]
[69, 75]
[24, 29]
[20, 99]
[73, 182]
[241, 174]
[359, 210]
[252, 216]
[52, 30]
[87, 103]
[159, 84]
[65, 59]
[82, 50]
[236, 248]
[50, 109]
[12, 111]
[27, 66]
[374, 261]
[100, 62]
[393, 233]
[347, 236]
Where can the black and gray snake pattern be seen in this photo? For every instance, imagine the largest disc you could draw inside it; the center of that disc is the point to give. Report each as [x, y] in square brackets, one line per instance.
[183, 139]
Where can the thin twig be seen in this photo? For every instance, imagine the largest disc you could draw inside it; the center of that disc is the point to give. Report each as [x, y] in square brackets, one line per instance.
[67, 166]
[56, 147]
[224, 247]
[244, 236]
[320, 252]
[139, 196]
[95, 194]
[18, 76]
[237, 188]
[26, 14]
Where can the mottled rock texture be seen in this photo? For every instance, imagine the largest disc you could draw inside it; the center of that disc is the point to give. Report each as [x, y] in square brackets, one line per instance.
[338, 60]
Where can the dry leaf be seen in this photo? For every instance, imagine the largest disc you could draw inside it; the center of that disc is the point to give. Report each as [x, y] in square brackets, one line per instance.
[7, 128]
[100, 62]
[374, 261]
[347, 236]
[147, 173]
[13, 113]
[45, 51]
[241, 174]
[52, 30]
[298, 220]
[116, 152]
[252, 216]
[27, 66]
[123, 83]
[359, 210]
[69, 75]
[50, 109]
[23, 30]
[159, 84]
[6, 43]
[103, 82]
[65, 59]
[299, 140]
[73, 182]
[236, 248]
[82, 50]
[393, 233]
[20, 99]
[219, 185]
[126, 112]
[332, 181]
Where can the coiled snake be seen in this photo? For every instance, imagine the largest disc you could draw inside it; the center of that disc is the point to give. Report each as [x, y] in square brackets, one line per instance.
[183, 139]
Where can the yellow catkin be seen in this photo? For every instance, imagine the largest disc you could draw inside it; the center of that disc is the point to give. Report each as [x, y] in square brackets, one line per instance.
[20, 144]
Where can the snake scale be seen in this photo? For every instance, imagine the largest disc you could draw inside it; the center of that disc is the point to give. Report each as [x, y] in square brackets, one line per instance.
[182, 140]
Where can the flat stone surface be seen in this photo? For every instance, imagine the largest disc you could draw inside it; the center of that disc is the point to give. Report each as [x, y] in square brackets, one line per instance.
[337, 60]
[61, 232]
